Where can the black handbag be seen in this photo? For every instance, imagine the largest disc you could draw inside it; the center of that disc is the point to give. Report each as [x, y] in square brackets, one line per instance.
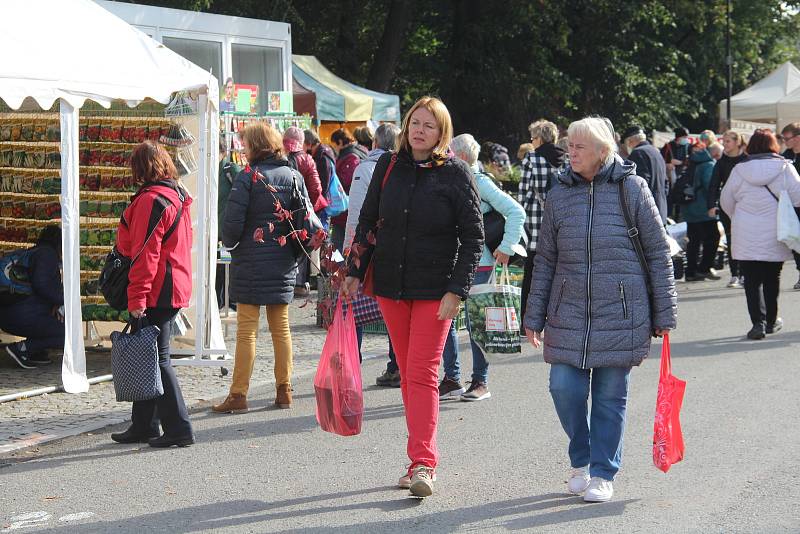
[494, 226]
[113, 280]
[303, 218]
[134, 363]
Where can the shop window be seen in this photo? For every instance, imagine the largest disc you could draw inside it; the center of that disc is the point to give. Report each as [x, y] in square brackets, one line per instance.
[205, 54]
[258, 65]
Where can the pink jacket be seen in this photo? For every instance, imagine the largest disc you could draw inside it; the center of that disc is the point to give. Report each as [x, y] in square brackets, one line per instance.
[754, 211]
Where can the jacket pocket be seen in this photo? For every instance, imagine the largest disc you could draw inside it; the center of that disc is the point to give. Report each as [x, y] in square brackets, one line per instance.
[623, 299]
[560, 296]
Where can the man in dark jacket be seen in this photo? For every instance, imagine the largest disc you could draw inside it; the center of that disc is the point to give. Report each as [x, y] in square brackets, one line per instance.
[38, 317]
[791, 138]
[227, 173]
[650, 165]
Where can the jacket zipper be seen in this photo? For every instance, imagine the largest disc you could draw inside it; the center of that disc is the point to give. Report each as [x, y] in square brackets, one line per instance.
[588, 277]
[622, 298]
[560, 296]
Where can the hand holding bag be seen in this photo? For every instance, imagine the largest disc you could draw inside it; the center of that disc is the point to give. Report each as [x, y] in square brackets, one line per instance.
[337, 383]
[134, 363]
[668, 447]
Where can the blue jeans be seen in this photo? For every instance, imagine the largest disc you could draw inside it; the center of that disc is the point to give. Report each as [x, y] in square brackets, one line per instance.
[604, 427]
[452, 366]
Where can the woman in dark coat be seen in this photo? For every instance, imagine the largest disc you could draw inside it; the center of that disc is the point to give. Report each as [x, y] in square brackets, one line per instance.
[421, 229]
[263, 268]
[589, 301]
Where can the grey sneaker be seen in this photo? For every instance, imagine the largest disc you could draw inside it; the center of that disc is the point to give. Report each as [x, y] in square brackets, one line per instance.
[450, 388]
[389, 380]
[421, 481]
[477, 391]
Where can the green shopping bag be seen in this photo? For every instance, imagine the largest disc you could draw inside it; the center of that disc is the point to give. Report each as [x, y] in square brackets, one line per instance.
[493, 309]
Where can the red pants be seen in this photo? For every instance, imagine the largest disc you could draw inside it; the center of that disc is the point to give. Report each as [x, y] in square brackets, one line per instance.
[418, 339]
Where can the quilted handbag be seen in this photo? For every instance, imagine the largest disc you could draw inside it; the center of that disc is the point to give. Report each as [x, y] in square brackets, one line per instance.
[134, 363]
[366, 310]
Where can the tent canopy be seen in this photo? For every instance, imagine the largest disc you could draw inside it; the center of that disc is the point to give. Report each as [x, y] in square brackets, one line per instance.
[340, 100]
[76, 50]
[305, 101]
[759, 102]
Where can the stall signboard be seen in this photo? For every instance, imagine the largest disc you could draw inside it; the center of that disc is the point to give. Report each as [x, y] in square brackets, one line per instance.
[245, 98]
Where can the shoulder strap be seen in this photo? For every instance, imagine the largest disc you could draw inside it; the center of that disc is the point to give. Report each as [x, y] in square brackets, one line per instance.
[169, 231]
[633, 234]
[389, 168]
[771, 193]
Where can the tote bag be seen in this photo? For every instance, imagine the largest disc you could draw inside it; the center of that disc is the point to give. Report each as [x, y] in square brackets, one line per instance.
[668, 447]
[493, 310]
[134, 363]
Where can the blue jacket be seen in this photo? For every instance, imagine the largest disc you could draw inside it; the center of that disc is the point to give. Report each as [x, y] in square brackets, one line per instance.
[697, 211]
[589, 292]
[493, 198]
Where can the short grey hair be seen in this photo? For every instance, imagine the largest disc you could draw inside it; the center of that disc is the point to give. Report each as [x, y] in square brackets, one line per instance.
[386, 136]
[544, 130]
[599, 131]
[636, 138]
[467, 145]
[715, 147]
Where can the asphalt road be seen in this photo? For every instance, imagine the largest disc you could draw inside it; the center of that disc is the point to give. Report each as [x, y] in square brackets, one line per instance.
[503, 461]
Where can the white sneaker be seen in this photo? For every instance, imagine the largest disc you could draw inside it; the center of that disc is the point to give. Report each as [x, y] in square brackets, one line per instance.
[578, 480]
[405, 481]
[421, 481]
[735, 282]
[599, 490]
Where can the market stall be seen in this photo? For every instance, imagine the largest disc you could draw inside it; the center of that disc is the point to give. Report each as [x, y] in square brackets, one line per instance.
[340, 103]
[68, 165]
[760, 101]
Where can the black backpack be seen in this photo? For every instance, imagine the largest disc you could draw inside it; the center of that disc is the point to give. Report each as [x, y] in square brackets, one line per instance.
[683, 191]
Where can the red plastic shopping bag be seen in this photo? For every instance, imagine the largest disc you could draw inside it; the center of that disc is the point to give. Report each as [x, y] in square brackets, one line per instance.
[667, 436]
[337, 384]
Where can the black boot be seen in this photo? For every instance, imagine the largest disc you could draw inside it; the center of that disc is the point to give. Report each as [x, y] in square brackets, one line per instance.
[167, 441]
[132, 436]
[759, 331]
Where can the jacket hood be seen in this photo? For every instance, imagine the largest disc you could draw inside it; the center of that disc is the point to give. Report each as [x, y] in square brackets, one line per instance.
[701, 157]
[292, 145]
[554, 155]
[178, 191]
[762, 169]
[374, 155]
[613, 172]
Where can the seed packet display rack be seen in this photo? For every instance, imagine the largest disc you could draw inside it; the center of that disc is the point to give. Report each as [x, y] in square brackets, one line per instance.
[233, 123]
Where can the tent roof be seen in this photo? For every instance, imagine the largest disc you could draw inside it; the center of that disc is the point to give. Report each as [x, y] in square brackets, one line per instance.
[759, 101]
[340, 100]
[76, 50]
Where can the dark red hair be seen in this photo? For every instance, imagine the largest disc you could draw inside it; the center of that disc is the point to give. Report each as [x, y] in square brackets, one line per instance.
[763, 141]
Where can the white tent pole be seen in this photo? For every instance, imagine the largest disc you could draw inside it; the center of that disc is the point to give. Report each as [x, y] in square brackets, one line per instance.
[73, 367]
[201, 302]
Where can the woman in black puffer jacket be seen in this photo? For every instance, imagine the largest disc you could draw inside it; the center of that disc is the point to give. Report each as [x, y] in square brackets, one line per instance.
[421, 229]
[263, 271]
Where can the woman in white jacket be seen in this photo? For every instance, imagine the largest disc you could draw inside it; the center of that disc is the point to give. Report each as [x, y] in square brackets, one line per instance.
[751, 198]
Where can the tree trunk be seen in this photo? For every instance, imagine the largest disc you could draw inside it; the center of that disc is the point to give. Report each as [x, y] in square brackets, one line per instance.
[391, 44]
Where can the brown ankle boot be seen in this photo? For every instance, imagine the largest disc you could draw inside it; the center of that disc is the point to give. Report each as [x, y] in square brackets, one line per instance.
[233, 403]
[283, 399]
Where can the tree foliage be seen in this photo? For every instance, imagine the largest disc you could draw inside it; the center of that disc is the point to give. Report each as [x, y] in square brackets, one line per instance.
[500, 65]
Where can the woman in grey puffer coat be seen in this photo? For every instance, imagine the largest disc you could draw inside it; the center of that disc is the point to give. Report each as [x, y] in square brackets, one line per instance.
[589, 302]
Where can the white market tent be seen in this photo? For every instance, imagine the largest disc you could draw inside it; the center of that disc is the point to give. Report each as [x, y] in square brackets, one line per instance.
[73, 51]
[761, 101]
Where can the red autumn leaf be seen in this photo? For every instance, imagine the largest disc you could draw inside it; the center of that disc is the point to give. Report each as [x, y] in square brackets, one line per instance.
[371, 237]
[280, 215]
[302, 234]
[247, 168]
[318, 239]
[258, 235]
[308, 215]
[271, 188]
[278, 206]
[271, 227]
[293, 235]
[287, 215]
[379, 224]
[281, 240]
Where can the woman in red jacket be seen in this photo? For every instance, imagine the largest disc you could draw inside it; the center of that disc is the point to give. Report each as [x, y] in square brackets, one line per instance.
[158, 223]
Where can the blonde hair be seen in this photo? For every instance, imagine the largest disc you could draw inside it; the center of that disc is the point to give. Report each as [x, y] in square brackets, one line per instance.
[262, 140]
[443, 120]
[741, 142]
[544, 130]
[523, 149]
[598, 131]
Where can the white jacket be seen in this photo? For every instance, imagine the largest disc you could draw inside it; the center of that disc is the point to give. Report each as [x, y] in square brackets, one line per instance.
[358, 192]
[754, 211]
